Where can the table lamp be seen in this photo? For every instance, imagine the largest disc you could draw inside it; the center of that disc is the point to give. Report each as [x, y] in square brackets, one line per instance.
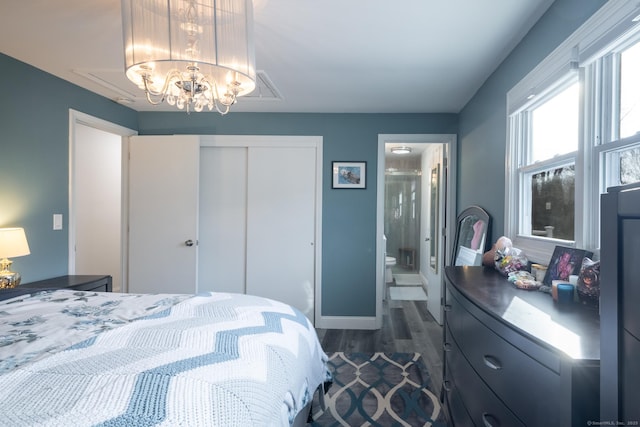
[13, 243]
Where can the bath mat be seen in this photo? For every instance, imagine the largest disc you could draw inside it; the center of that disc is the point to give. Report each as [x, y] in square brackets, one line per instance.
[379, 389]
[408, 279]
[412, 293]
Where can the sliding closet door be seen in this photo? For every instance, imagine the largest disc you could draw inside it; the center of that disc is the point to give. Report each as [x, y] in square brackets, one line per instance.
[258, 218]
[163, 214]
[281, 225]
[223, 219]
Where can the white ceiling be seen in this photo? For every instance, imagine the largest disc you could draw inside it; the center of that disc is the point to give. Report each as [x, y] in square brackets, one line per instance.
[344, 56]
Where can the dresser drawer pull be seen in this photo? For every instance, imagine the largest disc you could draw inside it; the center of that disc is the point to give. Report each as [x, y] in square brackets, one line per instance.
[447, 346]
[492, 362]
[447, 307]
[489, 420]
[447, 386]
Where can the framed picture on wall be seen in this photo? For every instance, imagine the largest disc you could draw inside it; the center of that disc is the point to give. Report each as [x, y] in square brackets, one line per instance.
[349, 175]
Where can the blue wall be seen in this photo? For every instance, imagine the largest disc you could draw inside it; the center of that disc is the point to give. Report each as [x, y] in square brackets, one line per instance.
[483, 121]
[34, 160]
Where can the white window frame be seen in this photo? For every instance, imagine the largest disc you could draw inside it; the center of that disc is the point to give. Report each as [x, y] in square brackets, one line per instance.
[587, 53]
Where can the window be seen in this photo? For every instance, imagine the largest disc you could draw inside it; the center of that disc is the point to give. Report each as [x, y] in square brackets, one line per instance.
[630, 91]
[574, 131]
[554, 125]
[550, 197]
[629, 165]
[619, 157]
[553, 203]
[547, 131]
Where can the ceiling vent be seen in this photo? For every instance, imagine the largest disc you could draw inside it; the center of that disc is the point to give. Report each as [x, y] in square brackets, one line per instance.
[265, 89]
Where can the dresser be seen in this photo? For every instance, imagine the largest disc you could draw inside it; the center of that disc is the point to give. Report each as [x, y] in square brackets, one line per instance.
[514, 357]
[96, 283]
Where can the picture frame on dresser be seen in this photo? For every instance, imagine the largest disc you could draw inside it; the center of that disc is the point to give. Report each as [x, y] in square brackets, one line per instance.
[564, 262]
[473, 228]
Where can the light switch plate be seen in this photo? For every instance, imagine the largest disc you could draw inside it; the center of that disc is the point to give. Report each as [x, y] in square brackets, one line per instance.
[57, 221]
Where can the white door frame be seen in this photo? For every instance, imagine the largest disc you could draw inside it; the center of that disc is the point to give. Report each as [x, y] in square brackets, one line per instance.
[77, 117]
[450, 142]
[288, 141]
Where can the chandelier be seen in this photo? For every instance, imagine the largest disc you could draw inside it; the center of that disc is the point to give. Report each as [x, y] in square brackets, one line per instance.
[193, 54]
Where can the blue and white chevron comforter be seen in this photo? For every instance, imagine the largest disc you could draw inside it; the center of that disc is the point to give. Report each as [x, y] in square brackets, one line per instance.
[71, 358]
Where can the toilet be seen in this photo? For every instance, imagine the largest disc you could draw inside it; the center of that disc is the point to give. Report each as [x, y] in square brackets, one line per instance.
[389, 262]
[388, 275]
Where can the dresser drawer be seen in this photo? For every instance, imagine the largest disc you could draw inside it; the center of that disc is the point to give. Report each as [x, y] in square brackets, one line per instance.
[455, 315]
[483, 406]
[517, 379]
[457, 413]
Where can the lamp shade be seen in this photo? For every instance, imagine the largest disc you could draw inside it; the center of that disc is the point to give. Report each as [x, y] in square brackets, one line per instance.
[198, 52]
[13, 243]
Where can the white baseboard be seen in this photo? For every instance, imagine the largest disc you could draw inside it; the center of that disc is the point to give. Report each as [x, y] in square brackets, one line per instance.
[346, 322]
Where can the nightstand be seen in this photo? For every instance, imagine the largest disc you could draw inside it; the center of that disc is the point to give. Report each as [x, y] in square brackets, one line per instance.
[79, 283]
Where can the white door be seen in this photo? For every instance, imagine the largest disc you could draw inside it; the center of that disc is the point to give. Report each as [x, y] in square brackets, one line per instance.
[163, 209]
[281, 225]
[433, 242]
[223, 219]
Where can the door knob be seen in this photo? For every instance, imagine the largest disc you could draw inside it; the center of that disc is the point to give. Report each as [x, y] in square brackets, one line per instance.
[189, 243]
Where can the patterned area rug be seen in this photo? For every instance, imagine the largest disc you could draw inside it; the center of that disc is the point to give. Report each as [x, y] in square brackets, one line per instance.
[379, 389]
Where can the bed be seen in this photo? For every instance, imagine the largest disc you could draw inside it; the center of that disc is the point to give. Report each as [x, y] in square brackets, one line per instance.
[107, 359]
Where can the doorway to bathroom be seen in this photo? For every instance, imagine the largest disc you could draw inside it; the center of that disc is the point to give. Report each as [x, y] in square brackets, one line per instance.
[402, 212]
[415, 192]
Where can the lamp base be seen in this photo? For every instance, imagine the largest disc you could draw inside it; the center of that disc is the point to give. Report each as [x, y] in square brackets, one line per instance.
[8, 278]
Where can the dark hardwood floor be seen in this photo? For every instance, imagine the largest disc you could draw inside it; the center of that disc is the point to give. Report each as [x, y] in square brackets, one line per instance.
[407, 327]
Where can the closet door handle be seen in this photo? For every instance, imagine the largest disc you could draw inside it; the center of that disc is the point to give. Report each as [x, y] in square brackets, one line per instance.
[492, 362]
[188, 243]
[489, 420]
[447, 307]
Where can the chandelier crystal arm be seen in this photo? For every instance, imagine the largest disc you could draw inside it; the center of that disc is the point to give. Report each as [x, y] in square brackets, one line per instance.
[162, 94]
[220, 106]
